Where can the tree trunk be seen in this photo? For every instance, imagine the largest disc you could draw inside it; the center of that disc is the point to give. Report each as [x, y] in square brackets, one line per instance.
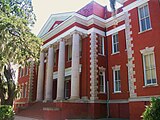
[7, 97]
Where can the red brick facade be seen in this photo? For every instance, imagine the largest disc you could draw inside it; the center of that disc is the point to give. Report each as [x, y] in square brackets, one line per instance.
[114, 82]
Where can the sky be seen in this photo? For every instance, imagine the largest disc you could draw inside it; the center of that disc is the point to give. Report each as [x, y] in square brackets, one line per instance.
[44, 8]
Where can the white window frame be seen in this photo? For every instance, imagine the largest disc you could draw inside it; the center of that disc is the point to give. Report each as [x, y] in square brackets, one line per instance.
[114, 52]
[116, 68]
[102, 45]
[104, 81]
[142, 6]
[144, 52]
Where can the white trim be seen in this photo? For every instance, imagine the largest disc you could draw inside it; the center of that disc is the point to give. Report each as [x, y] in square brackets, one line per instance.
[51, 20]
[118, 17]
[115, 30]
[135, 4]
[116, 68]
[75, 18]
[67, 72]
[95, 30]
[75, 28]
[147, 50]
[142, 98]
[119, 101]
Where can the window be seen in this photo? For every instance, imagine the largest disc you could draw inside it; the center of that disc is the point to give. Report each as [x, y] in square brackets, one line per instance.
[144, 18]
[115, 43]
[101, 45]
[67, 90]
[149, 69]
[55, 58]
[69, 52]
[116, 79]
[102, 81]
[149, 66]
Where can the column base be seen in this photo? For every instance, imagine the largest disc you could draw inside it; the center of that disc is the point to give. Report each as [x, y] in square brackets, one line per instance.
[59, 99]
[47, 101]
[74, 98]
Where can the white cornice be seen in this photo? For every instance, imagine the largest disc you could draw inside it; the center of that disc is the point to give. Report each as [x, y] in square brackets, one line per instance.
[115, 30]
[134, 5]
[75, 18]
[118, 17]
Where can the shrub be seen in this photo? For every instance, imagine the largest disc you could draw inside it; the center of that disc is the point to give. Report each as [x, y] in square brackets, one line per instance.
[152, 112]
[6, 112]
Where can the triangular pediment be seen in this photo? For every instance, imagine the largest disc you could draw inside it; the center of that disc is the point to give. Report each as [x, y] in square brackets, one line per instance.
[53, 21]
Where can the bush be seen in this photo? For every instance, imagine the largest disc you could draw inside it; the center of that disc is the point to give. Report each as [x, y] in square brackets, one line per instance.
[6, 112]
[152, 112]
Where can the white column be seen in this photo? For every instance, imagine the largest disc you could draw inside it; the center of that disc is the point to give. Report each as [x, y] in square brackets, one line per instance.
[49, 77]
[61, 71]
[40, 78]
[75, 66]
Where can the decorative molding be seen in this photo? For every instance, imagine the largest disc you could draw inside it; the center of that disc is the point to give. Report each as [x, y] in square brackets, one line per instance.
[116, 67]
[147, 50]
[102, 68]
[130, 55]
[93, 67]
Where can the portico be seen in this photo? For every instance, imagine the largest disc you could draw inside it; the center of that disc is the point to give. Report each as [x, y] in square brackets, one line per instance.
[60, 74]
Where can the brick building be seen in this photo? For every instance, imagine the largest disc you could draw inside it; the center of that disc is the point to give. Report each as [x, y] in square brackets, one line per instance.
[94, 64]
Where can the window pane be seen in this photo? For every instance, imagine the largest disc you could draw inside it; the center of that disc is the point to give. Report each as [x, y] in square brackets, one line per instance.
[149, 81]
[146, 58]
[143, 24]
[146, 10]
[148, 75]
[117, 47]
[151, 60]
[153, 72]
[148, 23]
[141, 13]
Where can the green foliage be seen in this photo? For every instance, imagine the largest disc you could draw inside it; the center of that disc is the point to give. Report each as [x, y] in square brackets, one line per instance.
[6, 112]
[17, 43]
[20, 8]
[152, 112]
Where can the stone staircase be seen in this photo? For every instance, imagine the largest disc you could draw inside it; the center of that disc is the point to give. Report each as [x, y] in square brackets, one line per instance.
[35, 110]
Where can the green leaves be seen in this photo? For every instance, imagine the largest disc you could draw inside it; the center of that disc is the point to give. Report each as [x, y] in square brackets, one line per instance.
[17, 43]
[6, 112]
[152, 112]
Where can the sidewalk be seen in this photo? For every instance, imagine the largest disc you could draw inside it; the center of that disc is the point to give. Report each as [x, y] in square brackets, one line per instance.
[23, 118]
[27, 118]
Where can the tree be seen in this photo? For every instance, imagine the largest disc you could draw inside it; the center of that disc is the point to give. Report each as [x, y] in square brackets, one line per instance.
[17, 43]
[152, 112]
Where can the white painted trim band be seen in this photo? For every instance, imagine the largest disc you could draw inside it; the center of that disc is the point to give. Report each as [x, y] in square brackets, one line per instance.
[115, 30]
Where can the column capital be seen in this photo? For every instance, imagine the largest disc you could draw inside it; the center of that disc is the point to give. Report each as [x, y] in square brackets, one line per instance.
[76, 32]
